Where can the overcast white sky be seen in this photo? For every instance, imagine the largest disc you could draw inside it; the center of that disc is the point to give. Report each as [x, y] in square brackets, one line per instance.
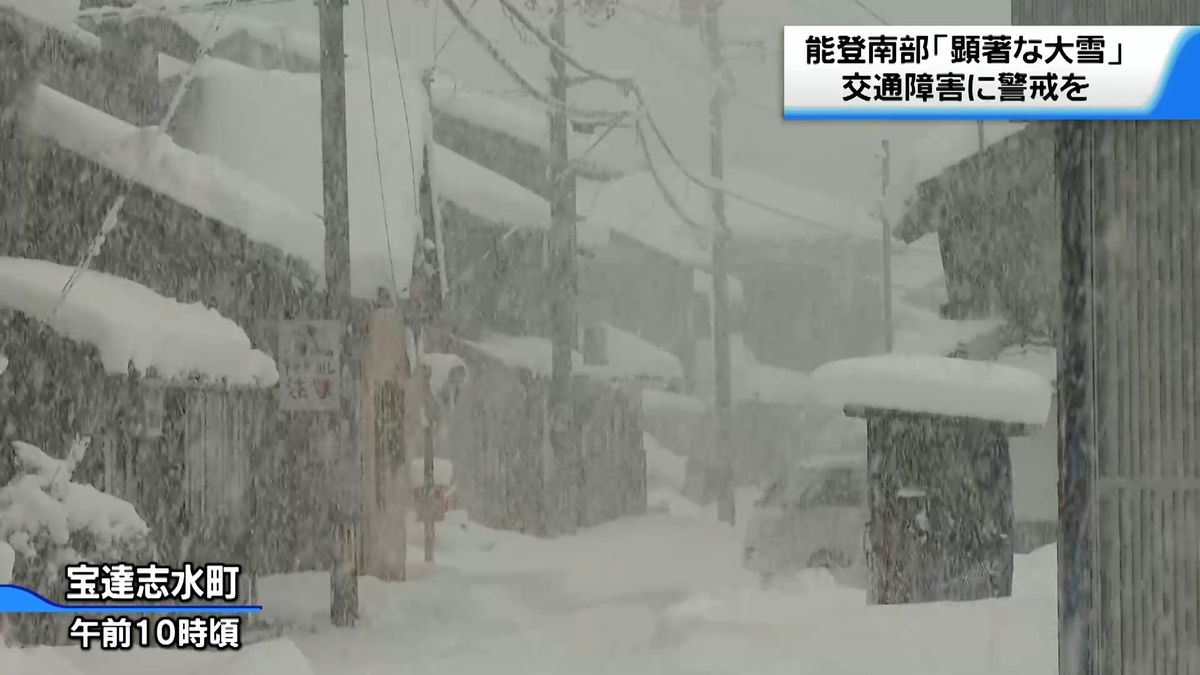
[669, 62]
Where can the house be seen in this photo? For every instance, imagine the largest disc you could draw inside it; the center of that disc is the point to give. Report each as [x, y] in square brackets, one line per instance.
[266, 124]
[172, 395]
[995, 217]
[829, 249]
[192, 229]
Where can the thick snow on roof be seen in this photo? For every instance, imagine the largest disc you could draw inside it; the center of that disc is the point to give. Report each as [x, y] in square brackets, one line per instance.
[527, 123]
[57, 14]
[194, 180]
[938, 150]
[522, 121]
[635, 206]
[131, 324]
[630, 355]
[268, 125]
[525, 351]
[936, 385]
[487, 194]
[752, 380]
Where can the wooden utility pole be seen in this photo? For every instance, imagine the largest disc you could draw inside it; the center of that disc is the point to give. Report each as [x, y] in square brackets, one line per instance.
[887, 247]
[720, 263]
[343, 605]
[568, 472]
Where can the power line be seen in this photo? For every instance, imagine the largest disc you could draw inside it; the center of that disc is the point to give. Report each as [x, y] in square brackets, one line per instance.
[387, 230]
[110, 218]
[872, 12]
[643, 111]
[541, 97]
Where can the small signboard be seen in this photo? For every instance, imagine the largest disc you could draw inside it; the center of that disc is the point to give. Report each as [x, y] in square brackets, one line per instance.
[309, 358]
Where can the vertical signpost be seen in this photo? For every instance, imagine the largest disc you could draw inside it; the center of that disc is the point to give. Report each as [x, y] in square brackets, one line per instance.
[309, 357]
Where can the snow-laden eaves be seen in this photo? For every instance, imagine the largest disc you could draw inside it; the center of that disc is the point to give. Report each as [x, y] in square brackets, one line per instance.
[936, 385]
[630, 356]
[525, 123]
[56, 15]
[635, 206]
[267, 125]
[486, 194]
[130, 324]
[199, 182]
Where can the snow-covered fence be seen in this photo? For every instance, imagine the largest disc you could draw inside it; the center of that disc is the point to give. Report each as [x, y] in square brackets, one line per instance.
[499, 437]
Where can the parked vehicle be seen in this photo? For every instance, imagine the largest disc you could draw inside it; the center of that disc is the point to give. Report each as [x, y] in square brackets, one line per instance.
[813, 518]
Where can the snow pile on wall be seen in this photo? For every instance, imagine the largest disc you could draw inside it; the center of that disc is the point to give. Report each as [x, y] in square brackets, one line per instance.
[190, 179]
[630, 355]
[634, 206]
[131, 324]
[937, 385]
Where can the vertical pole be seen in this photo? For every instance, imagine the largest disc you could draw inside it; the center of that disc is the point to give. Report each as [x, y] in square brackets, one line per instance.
[567, 475]
[722, 365]
[343, 608]
[1074, 155]
[887, 249]
[431, 419]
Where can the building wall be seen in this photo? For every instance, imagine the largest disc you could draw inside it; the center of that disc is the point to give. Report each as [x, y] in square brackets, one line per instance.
[807, 304]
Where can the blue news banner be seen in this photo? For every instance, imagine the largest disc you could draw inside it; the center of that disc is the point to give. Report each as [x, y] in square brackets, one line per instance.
[1016, 73]
[123, 606]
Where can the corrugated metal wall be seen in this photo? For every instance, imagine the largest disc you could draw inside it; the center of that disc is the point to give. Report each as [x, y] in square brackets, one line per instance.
[1129, 465]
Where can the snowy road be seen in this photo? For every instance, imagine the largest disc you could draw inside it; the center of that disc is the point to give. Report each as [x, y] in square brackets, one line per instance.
[658, 594]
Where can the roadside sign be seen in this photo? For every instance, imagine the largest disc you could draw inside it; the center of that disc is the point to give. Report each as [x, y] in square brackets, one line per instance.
[310, 358]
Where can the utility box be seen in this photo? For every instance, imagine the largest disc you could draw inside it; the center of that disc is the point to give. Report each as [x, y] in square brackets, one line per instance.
[940, 502]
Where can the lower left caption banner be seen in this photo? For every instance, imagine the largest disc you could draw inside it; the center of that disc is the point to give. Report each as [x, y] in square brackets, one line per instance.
[123, 606]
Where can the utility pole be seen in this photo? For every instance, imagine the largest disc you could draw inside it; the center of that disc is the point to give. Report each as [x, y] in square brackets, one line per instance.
[721, 361]
[562, 283]
[343, 605]
[887, 247]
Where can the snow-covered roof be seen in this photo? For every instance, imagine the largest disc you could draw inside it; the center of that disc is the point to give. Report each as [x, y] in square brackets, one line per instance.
[522, 351]
[486, 194]
[630, 355]
[526, 123]
[193, 180]
[634, 206]
[522, 121]
[130, 324]
[935, 152]
[58, 15]
[267, 124]
[936, 385]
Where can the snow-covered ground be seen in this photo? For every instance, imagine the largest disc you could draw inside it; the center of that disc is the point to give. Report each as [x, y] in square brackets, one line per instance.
[663, 593]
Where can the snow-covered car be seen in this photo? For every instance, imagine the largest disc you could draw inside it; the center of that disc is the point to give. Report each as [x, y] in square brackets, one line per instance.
[814, 517]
